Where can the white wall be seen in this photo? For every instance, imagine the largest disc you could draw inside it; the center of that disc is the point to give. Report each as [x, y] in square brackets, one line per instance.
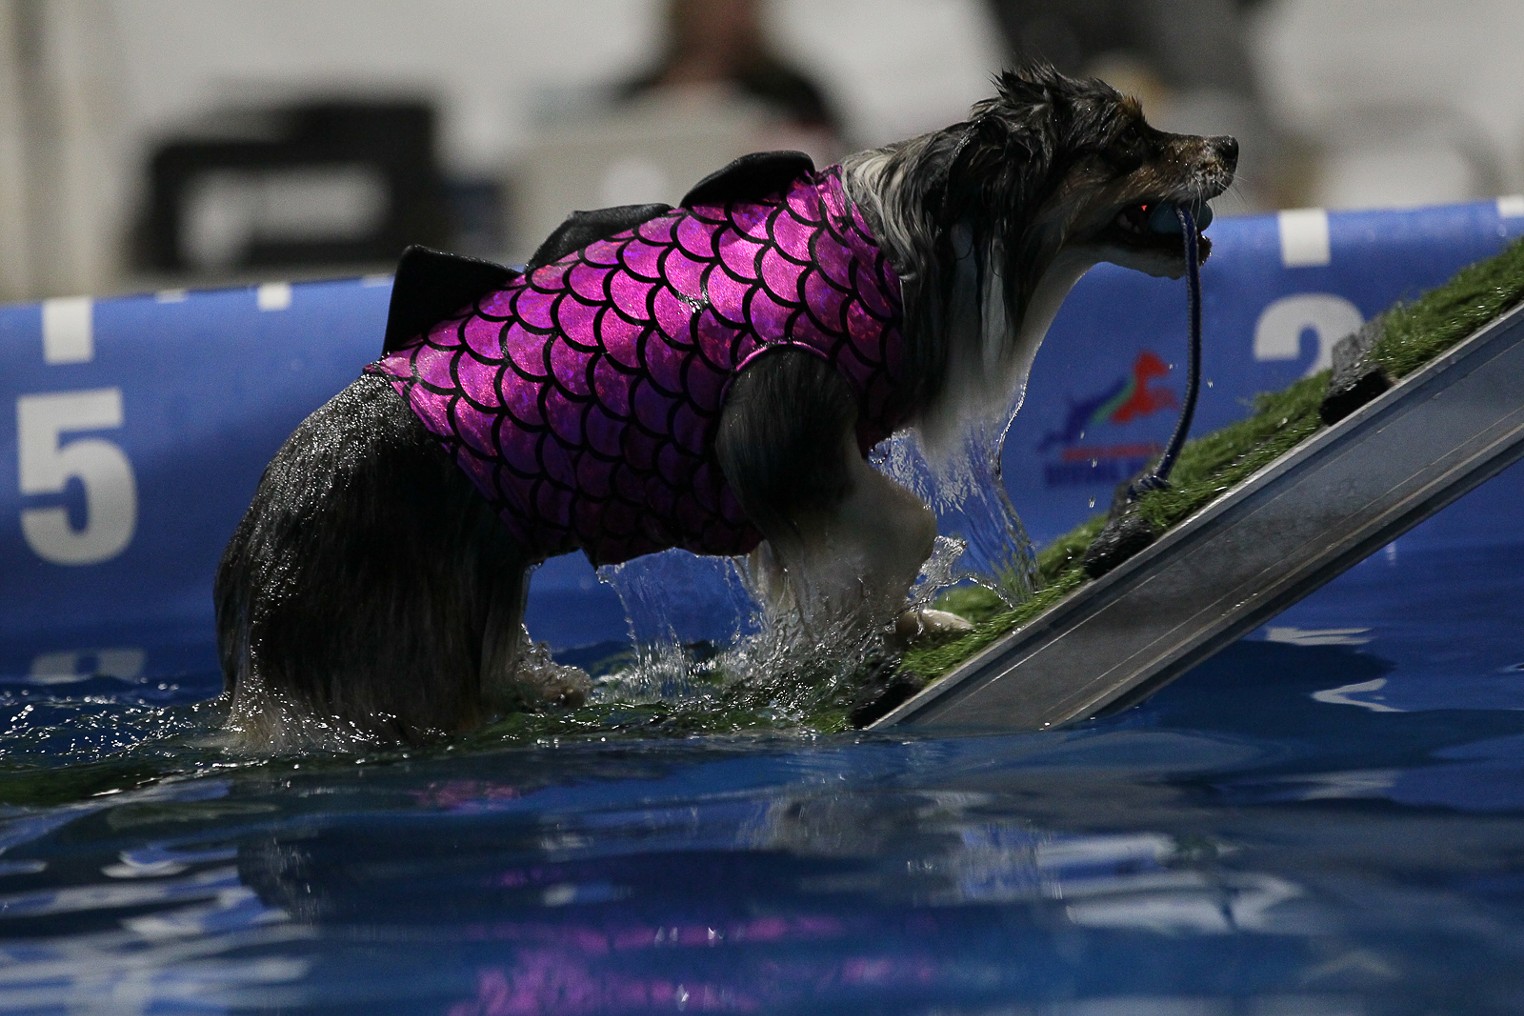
[1403, 101]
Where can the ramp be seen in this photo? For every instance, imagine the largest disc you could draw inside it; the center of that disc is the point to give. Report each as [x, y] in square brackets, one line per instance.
[1289, 529]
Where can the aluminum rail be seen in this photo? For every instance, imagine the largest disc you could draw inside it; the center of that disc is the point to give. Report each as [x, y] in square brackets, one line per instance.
[1289, 529]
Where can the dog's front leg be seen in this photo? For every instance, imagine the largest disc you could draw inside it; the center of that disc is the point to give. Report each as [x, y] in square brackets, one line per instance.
[516, 672]
[844, 542]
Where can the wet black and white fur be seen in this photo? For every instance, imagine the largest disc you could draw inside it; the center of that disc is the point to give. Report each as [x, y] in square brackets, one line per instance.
[369, 590]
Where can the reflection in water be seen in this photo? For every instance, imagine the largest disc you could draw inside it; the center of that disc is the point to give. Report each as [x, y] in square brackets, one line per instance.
[1091, 871]
[1235, 845]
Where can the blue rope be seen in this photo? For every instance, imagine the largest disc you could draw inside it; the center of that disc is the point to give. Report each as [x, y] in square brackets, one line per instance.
[1158, 478]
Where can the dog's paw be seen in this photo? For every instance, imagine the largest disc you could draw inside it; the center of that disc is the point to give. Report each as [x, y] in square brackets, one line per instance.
[539, 681]
[556, 684]
[923, 622]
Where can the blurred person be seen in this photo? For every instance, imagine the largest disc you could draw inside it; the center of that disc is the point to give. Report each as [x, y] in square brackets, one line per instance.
[715, 89]
[722, 44]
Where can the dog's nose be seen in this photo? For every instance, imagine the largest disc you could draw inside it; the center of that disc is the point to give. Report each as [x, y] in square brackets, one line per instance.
[1227, 150]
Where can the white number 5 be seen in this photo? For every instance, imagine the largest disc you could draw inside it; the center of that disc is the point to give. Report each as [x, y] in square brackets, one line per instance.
[47, 464]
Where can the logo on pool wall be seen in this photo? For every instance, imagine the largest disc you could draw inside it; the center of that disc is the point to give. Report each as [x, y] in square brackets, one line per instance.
[1073, 461]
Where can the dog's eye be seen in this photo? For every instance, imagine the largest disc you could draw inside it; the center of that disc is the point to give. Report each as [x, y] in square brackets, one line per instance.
[1128, 146]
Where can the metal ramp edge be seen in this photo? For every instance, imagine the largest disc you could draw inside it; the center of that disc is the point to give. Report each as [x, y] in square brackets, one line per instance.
[1289, 529]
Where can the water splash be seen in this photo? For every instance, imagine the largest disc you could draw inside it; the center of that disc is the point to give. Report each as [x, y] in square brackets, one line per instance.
[772, 667]
[704, 637]
[777, 669]
[945, 568]
[967, 492]
[678, 607]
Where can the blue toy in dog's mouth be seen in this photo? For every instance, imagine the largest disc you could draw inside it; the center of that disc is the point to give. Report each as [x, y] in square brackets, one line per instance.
[1164, 217]
[1157, 223]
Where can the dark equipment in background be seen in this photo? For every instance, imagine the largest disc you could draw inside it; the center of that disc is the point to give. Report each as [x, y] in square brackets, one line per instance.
[321, 183]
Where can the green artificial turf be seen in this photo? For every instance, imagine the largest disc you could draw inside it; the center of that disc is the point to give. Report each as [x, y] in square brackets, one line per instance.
[1412, 335]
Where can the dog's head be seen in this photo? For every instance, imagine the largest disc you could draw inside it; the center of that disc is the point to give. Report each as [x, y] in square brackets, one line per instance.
[1051, 171]
[1053, 163]
[990, 221]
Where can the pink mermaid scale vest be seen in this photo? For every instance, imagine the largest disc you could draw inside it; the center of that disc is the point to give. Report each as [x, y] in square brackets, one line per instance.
[582, 398]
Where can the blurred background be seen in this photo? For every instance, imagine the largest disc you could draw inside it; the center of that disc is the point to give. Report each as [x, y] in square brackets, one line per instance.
[147, 144]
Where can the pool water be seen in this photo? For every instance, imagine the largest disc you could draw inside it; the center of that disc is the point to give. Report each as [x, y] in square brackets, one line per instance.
[1324, 819]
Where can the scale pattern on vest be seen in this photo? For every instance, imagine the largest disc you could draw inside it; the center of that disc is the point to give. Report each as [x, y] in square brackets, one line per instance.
[583, 397]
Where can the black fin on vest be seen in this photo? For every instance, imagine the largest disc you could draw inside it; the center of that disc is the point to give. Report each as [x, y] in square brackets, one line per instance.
[582, 228]
[754, 176]
[430, 286]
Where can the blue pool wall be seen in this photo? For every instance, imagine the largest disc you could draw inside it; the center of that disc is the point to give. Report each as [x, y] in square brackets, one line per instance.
[135, 428]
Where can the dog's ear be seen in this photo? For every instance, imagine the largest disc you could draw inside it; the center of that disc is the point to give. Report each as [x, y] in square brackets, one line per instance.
[1032, 85]
[1071, 109]
[988, 163]
[989, 175]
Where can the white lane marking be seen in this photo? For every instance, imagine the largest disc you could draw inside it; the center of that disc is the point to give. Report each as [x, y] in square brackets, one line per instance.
[68, 330]
[274, 296]
[1304, 238]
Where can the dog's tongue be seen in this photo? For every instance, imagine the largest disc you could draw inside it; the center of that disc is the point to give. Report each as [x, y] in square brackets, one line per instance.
[1161, 217]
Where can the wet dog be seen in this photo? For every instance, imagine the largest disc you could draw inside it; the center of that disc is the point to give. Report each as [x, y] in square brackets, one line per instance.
[709, 376]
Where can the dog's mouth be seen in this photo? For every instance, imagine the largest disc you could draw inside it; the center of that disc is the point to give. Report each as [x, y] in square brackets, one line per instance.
[1154, 225]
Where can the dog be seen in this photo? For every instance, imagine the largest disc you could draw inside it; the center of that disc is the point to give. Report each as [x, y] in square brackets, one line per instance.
[709, 376]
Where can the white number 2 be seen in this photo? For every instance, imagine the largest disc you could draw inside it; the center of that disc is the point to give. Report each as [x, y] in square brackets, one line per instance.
[48, 462]
[1281, 326]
